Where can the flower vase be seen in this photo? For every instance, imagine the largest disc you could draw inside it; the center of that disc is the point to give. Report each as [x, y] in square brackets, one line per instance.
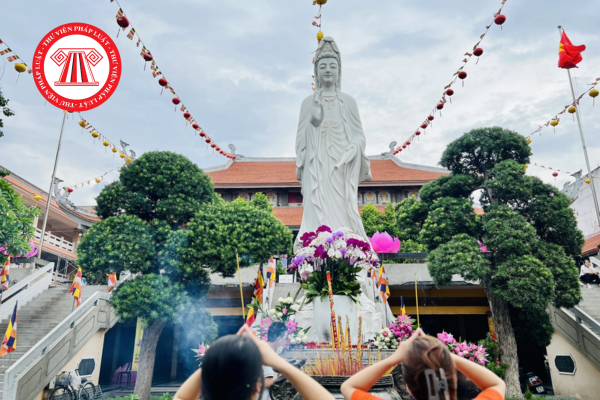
[344, 306]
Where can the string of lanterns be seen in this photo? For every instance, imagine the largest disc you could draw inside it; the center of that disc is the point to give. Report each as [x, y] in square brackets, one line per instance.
[85, 125]
[20, 66]
[124, 23]
[556, 171]
[448, 92]
[570, 108]
[93, 181]
[317, 22]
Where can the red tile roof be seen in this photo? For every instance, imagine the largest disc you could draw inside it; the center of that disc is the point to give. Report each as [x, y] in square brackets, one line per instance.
[478, 211]
[284, 173]
[292, 216]
[591, 244]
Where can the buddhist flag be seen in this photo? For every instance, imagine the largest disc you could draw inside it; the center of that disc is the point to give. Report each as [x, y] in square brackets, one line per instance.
[402, 307]
[384, 288]
[131, 34]
[76, 287]
[251, 317]
[12, 58]
[259, 283]
[112, 281]
[4, 275]
[271, 271]
[568, 54]
[9, 344]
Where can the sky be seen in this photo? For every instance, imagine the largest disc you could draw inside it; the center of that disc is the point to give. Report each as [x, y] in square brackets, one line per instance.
[243, 68]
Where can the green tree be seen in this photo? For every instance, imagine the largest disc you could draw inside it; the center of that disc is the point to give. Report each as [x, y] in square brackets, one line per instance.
[5, 110]
[220, 229]
[375, 221]
[528, 229]
[410, 216]
[145, 214]
[16, 220]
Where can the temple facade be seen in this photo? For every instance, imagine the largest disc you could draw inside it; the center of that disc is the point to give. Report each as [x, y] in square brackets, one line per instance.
[393, 181]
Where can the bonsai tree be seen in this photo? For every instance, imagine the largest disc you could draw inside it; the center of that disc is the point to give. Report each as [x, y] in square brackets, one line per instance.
[144, 215]
[220, 229]
[16, 221]
[528, 230]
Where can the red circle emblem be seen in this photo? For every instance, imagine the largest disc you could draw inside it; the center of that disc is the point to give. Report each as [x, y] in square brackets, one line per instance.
[76, 67]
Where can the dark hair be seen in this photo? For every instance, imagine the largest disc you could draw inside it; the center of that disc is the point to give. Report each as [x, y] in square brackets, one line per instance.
[427, 352]
[229, 356]
[276, 330]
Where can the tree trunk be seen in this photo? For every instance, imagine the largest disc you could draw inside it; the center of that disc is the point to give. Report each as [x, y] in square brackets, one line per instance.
[143, 383]
[507, 343]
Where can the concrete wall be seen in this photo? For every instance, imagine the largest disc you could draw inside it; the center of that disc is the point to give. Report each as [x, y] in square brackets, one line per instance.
[584, 207]
[92, 349]
[584, 383]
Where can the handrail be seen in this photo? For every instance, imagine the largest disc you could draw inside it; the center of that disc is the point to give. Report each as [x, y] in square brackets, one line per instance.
[41, 347]
[25, 290]
[584, 317]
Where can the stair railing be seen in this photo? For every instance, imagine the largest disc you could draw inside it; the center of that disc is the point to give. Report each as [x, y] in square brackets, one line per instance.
[25, 290]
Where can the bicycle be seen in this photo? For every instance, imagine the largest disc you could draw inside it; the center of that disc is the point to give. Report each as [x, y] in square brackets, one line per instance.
[65, 391]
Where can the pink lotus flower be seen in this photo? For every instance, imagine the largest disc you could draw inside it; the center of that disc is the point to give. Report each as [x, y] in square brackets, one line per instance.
[383, 243]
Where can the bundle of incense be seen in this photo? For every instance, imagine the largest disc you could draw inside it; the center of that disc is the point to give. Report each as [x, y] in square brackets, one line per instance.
[359, 344]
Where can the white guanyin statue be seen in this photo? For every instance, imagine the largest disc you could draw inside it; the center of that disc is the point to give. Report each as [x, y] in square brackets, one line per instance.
[330, 149]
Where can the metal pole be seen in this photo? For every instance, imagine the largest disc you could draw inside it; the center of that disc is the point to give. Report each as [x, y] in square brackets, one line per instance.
[585, 153]
[237, 259]
[417, 301]
[62, 128]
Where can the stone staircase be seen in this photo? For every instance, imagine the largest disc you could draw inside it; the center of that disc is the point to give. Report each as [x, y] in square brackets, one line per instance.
[37, 318]
[591, 305]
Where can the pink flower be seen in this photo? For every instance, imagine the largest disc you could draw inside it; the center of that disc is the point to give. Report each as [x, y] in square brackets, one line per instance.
[383, 243]
[384, 333]
[284, 311]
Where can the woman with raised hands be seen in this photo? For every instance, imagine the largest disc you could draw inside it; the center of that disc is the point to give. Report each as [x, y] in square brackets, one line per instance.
[429, 371]
[232, 370]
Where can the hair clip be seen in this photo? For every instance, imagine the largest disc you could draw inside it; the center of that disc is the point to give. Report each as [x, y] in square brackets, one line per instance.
[440, 385]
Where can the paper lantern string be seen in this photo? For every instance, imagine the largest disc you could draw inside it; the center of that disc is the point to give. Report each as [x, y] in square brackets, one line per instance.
[94, 181]
[124, 22]
[447, 92]
[20, 66]
[107, 143]
[570, 108]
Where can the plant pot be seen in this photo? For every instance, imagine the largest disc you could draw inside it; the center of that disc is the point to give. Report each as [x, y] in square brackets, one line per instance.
[343, 306]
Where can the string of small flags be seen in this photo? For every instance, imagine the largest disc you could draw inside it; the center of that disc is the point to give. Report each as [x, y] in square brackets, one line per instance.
[94, 181]
[556, 171]
[447, 93]
[20, 66]
[317, 22]
[85, 125]
[124, 23]
[570, 108]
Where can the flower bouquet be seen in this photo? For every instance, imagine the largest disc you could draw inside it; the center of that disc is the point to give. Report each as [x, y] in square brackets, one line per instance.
[296, 336]
[285, 309]
[397, 331]
[342, 253]
[199, 352]
[470, 351]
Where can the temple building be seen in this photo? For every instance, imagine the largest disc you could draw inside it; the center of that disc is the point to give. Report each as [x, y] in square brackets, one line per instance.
[393, 181]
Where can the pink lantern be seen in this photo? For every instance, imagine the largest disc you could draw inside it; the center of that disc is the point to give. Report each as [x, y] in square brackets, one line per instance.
[383, 243]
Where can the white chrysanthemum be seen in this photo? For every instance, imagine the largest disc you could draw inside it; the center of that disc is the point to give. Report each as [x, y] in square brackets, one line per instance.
[279, 314]
[280, 300]
[304, 340]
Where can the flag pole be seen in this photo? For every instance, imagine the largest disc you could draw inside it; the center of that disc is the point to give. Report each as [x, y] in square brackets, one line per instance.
[62, 128]
[585, 153]
[237, 259]
[417, 300]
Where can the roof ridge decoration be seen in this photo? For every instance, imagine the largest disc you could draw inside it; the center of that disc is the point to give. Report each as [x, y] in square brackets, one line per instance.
[389, 154]
[62, 200]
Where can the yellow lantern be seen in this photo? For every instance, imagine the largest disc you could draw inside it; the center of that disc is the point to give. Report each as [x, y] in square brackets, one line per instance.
[594, 93]
[554, 122]
[82, 123]
[37, 197]
[320, 36]
[106, 143]
[114, 150]
[321, 2]
[122, 155]
[98, 180]
[571, 110]
[20, 67]
[128, 160]
[95, 134]
[587, 180]
[528, 141]
[526, 166]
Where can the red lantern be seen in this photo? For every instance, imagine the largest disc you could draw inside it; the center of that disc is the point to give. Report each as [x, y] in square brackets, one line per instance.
[408, 143]
[477, 52]
[500, 19]
[462, 75]
[163, 82]
[176, 100]
[555, 174]
[147, 56]
[234, 157]
[222, 152]
[417, 133]
[217, 148]
[449, 92]
[423, 126]
[123, 22]
[399, 150]
[404, 146]
[207, 140]
[439, 106]
[430, 118]
[195, 126]
[202, 134]
[186, 115]
[213, 145]
[70, 190]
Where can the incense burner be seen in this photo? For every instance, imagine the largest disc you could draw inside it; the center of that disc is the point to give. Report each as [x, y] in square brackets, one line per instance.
[281, 389]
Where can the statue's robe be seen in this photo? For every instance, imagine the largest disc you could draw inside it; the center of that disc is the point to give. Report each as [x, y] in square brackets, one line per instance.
[330, 196]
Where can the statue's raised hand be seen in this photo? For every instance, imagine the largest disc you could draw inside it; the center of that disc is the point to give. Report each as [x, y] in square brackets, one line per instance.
[316, 110]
